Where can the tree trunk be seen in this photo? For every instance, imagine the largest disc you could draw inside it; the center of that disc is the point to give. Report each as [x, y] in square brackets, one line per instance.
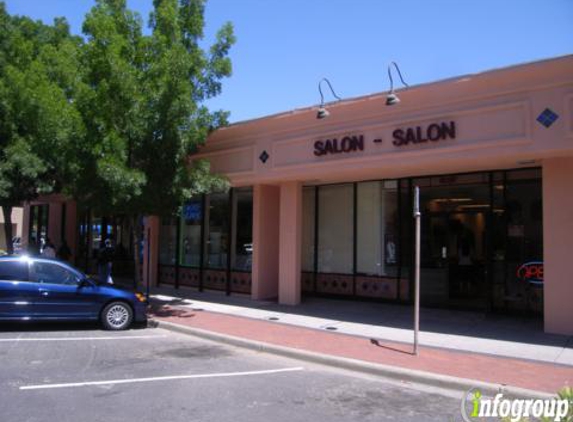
[136, 234]
[7, 211]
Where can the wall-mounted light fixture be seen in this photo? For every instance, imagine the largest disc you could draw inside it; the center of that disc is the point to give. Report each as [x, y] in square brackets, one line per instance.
[392, 98]
[322, 111]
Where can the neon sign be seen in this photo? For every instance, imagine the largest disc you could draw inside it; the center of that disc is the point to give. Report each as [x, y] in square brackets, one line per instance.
[531, 272]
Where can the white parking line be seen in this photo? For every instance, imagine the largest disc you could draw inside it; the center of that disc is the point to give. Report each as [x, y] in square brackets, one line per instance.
[6, 340]
[168, 378]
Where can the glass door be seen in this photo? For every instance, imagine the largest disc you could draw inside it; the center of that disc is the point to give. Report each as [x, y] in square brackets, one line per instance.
[455, 211]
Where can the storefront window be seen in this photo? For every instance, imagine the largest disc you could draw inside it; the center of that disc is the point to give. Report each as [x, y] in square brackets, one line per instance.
[241, 259]
[524, 237]
[405, 231]
[377, 224]
[97, 233]
[167, 240]
[39, 217]
[308, 225]
[217, 247]
[336, 229]
[190, 243]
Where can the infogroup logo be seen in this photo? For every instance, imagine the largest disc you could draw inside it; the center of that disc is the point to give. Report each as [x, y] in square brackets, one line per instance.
[475, 407]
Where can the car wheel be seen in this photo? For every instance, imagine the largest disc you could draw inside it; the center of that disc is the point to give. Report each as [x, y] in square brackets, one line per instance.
[116, 316]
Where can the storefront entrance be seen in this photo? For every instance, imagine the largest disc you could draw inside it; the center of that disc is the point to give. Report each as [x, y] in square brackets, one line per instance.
[455, 223]
[478, 231]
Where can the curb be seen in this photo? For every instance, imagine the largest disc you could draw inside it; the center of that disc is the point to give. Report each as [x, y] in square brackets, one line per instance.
[393, 372]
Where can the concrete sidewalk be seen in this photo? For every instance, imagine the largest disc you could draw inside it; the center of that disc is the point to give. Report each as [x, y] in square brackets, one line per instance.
[456, 345]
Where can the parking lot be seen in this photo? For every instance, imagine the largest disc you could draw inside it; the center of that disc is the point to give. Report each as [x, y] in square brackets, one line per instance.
[72, 373]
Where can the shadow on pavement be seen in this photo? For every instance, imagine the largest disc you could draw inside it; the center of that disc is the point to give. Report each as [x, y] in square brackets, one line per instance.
[521, 329]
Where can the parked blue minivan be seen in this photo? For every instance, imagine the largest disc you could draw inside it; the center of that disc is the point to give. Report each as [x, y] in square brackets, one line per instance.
[34, 289]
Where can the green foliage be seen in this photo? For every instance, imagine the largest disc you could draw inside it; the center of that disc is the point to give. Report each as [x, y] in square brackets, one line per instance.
[38, 120]
[110, 119]
[566, 393]
[141, 105]
[22, 168]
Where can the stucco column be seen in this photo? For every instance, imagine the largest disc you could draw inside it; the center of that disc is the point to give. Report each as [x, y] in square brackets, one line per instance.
[265, 271]
[290, 243]
[151, 250]
[558, 244]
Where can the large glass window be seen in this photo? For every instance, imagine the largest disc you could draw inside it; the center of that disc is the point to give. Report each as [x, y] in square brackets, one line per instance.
[167, 240]
[377, 226]
[524, 217]
[215, 237]
[404, 239]
[190, 243]
[38, 230]
[241, 258]
[336, 229]
[308, 224]
[217, 247]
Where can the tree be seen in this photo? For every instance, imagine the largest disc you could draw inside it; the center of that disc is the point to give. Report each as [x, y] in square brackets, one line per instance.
[38, 120]
[142, 108]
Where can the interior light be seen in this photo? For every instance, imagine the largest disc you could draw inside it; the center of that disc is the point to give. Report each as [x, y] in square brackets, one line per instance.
[453, 199]
[473, 206]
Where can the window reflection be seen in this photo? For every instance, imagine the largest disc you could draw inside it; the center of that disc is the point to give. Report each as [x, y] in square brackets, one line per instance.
[241, 259]
[217, 247]
[190, 242]
[335, 233]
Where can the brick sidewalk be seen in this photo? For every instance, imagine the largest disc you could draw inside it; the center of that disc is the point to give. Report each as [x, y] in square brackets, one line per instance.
[499, 370]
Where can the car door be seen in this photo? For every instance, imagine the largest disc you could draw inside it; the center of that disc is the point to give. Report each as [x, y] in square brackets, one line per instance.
[18, 296]
[61, 293]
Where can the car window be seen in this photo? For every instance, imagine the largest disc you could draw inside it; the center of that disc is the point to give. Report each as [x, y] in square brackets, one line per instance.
[14, 270]
[51, 273]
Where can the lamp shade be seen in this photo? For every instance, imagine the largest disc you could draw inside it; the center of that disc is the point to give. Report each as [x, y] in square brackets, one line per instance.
[392, 99]
[322, 113]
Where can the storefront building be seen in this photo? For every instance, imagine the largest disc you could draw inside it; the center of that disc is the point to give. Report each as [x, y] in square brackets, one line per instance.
[324, 206]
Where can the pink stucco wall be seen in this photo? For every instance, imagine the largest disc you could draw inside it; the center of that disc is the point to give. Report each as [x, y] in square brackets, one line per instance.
[494, 112]
[290, 243]
[558, 244]
[266, 208]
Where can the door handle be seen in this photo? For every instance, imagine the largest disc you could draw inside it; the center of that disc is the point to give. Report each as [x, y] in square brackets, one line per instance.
[44, 292]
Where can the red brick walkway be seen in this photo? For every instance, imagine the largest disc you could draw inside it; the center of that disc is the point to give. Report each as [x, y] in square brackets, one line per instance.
[499, 370]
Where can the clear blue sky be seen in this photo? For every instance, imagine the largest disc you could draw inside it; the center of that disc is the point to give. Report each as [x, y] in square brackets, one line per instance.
[284, 47]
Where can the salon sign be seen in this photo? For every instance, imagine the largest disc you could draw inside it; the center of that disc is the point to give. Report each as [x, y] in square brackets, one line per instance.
[401, 137]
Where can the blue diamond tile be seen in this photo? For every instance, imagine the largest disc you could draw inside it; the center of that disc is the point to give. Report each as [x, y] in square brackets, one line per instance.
[264, 157]
[547, 117]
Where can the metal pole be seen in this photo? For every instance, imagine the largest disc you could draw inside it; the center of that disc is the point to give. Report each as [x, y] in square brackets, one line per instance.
[417, 216]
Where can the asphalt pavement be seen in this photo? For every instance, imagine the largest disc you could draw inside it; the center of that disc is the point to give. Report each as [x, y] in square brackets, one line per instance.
[81, 373]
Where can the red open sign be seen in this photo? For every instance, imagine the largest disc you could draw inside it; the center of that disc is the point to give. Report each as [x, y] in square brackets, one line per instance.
[531, 272]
